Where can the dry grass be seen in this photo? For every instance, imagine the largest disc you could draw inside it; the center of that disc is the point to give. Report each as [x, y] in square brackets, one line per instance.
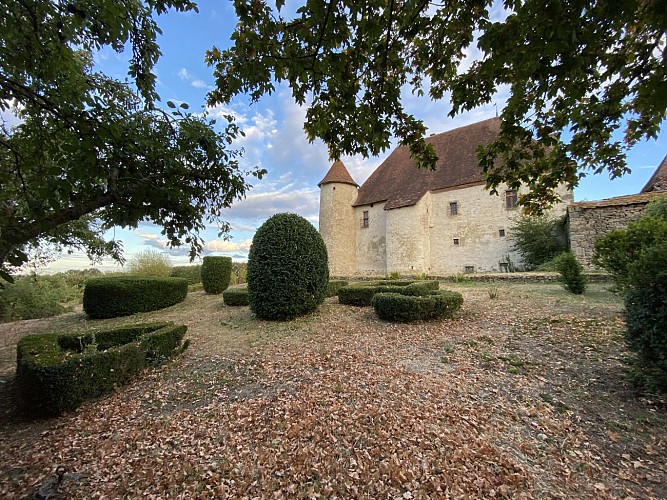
[523, 395]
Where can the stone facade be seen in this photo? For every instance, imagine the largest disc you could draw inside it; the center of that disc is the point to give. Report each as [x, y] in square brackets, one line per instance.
[413, 221]
[588, 221]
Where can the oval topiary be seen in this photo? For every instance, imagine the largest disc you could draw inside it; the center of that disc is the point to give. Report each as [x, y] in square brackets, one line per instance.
[288, 270]
[216, 272]
[404, 308]
[115, 296]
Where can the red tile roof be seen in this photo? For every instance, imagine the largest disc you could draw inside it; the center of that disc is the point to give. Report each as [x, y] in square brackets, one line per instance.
[338, 173]
[398, 181]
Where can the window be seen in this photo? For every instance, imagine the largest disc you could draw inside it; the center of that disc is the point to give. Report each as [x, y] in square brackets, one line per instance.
[469, 269]
[456, 241]
[501, 233]
[510, 200]
[364, 221]
[453, 208]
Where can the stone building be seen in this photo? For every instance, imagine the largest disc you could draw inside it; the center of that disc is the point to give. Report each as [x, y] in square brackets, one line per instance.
[413, 221]
[590, 220]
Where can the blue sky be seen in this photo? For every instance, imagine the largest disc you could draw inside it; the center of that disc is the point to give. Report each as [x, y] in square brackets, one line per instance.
[275, 139]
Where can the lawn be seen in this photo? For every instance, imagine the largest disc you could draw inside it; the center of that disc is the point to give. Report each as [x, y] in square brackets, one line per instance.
[522, 395]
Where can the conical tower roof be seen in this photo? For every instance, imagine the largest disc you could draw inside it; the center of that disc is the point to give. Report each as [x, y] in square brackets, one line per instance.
[658, 181]
[338, 173]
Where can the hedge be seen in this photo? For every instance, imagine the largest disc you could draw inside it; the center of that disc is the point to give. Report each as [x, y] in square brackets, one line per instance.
[403, 308]
[333, 286]
[58, 372]
[235, 296]
[115, 296]
[190, 273]
[361, 294]
[216, 273]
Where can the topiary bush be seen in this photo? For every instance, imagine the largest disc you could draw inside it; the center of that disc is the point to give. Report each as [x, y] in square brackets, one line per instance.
[571, 272]
[235, 296]
[216, 273]
[334, 285]
[57, 372]
[287, 268]
[361, 294]
[646, 316]
[190, 273]
[403, 308]
[115, 296]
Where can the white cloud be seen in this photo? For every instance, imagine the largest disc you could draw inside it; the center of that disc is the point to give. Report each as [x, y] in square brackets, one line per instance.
[229, 246]
[183, 74]
[199, 84]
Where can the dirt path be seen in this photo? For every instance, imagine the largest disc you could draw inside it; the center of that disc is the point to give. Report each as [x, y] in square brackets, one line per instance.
[523, 395]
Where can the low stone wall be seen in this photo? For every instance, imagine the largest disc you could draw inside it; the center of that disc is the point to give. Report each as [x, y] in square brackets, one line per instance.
[589, 221]
[527, 277]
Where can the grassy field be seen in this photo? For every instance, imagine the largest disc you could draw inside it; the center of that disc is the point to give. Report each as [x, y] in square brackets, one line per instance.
[522, 395]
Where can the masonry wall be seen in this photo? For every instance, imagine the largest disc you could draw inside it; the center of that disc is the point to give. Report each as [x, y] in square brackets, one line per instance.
[371, 241]
[588, 223]
[408, 245]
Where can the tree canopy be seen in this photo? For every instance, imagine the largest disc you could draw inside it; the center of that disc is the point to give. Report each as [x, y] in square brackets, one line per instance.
[577, 72]
[91, 152]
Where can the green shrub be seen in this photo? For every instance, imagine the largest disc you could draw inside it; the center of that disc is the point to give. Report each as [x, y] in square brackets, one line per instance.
[571, 273]
[334, 285]
[110, 297]
[646, 316]
[57, 372]
[150, 262]
[619, 248]
[539, 239]
[190, 273]
[287, 268]
[361, 294]
[357, 294]
[404, 308]
[235, 296]
[216, 272]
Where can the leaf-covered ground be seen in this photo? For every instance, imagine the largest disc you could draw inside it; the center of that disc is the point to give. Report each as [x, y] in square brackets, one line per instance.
[521, 396]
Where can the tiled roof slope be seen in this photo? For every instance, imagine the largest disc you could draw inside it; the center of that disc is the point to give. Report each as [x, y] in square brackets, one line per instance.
[630, 199]
[398, 181]
[658, 181]
[338, 173]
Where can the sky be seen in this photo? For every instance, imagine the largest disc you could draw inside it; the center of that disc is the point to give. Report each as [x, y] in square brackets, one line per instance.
[275, 140]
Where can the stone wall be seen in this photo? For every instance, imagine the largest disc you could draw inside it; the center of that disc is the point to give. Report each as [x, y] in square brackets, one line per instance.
[589, 221]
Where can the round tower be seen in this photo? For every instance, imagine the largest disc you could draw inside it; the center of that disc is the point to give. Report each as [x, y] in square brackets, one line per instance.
[338, 192]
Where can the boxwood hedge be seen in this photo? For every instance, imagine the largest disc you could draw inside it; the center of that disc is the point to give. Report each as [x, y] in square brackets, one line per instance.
[190, 273]
[57, 372]
[115, 296]
[361, 294]
[333, 286]
[403, 308]
[235, 296]
[216, 273]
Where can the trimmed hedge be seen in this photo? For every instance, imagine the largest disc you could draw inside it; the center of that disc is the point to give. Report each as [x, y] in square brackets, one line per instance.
[287, 268]
[333, 286]
[115, 296]
[216, 273]
[235, 296]
[361, 294]
[404, 308]
[190, 273]
[58, 372]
